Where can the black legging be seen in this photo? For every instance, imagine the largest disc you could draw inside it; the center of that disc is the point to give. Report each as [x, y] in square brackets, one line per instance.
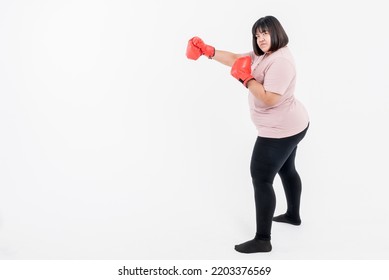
[272, 156]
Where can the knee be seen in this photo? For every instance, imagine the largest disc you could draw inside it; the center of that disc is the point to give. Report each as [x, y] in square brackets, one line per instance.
[286, 173]
[262, 184]
[263, 191]
[261, 175]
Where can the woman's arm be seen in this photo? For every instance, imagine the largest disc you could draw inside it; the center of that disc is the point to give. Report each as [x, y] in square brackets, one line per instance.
[225, 57]
[196, 47]
[267, 97]
[241, 70]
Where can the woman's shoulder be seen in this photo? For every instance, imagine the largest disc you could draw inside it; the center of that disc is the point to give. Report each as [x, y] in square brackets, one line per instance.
[282, 54]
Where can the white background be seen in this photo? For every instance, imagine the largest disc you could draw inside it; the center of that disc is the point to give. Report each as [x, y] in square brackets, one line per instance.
[113, 145]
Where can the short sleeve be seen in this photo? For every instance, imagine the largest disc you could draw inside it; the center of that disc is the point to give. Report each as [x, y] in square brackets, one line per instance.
[279, 75]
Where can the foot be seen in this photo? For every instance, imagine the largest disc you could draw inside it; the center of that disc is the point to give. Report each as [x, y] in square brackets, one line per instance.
[286, 219]
[254, 246]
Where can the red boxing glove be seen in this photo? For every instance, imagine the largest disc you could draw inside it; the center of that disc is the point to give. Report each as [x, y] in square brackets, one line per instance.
[241, 70]
[192, 51]
[196, 47]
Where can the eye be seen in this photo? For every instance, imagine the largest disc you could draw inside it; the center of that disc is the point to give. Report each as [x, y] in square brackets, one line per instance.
[261, 34]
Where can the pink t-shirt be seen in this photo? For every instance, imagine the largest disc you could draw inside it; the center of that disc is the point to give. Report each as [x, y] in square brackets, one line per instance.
[277, 73]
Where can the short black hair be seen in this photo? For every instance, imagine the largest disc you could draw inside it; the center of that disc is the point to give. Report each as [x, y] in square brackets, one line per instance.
[278, 36]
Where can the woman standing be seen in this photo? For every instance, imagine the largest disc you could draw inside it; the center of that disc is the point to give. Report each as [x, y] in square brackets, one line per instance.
[281, 120]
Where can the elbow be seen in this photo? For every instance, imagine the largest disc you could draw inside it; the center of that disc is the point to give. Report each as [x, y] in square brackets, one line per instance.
[271, 99]
[270, 102]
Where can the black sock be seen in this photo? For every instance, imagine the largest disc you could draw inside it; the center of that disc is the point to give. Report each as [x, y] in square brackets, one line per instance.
[284, 218]
[254, 246]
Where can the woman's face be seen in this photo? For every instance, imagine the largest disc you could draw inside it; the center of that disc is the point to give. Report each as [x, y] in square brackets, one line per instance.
[263, 40]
